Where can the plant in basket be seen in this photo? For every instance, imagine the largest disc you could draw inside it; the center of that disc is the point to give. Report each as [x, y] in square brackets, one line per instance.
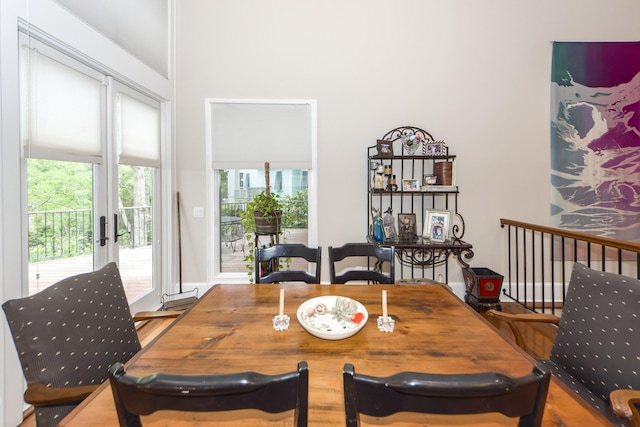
[262, 216]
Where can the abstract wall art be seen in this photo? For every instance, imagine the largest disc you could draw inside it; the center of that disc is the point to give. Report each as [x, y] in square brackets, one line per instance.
[595, 138]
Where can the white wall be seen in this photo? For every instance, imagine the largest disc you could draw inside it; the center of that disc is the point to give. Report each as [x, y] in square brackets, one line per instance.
[475, 73]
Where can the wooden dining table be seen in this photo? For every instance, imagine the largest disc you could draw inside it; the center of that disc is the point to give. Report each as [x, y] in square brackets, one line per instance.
[230, 329]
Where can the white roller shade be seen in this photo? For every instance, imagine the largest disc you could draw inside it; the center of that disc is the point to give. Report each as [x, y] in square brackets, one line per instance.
[138, 132]
[62, 108]
[246, 135]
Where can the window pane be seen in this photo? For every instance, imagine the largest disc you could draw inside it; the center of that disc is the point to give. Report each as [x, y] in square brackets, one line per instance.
[237, 187]
[135, 228]
[60, 212]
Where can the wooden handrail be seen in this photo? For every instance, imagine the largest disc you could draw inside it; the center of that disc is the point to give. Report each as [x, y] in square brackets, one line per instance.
[576, 235]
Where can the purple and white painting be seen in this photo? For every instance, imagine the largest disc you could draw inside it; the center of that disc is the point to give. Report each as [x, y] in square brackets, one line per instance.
[595, 138]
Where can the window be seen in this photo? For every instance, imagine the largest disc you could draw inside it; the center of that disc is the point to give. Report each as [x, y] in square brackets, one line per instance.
[90, 189]
[279, 132]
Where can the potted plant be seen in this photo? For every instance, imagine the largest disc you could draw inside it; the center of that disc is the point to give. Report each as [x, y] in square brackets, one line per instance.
[262, 216]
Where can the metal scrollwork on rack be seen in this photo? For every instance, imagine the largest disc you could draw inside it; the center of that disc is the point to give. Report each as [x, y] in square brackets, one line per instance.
[403, 131]
[434, 256]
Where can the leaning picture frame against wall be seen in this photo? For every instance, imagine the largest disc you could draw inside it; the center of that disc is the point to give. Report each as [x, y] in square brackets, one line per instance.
[436, 225]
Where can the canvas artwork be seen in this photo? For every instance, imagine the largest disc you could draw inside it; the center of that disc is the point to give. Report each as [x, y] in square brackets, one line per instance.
[595, 138]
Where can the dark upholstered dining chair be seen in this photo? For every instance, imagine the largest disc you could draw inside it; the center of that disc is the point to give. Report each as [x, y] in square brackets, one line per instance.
[289, 250]
[380, 253]
[522, 397]
[595, 351]
[68, 335]
[209, 393]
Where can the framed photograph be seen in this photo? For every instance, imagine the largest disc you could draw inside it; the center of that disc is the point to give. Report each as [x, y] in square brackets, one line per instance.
[385, 148]
[436, 225]
[429, 180]
[410, 185]
[407, 230]
[432, 148]
[389, 232]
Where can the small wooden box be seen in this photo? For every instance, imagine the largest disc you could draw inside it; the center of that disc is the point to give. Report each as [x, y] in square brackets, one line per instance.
[483, 288]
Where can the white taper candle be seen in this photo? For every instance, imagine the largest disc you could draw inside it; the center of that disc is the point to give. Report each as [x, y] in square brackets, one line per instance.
[281, 311]
[384, 304]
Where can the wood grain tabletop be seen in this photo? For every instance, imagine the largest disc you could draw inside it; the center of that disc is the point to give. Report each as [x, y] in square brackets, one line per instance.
[230, 330]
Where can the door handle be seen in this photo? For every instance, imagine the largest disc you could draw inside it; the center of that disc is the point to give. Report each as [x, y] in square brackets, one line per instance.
[103, 231]
[115, 230]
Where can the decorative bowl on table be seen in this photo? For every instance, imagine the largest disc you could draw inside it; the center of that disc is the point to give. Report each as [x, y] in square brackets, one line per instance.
[332, 317]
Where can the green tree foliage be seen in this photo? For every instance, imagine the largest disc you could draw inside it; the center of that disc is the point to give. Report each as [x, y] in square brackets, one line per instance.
[55, 185]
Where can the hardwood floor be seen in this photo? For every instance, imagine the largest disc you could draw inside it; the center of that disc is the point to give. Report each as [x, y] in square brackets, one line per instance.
[539, 337]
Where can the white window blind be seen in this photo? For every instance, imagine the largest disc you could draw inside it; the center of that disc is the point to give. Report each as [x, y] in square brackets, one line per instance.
[63, 110]
[246, 135]
[138, 132]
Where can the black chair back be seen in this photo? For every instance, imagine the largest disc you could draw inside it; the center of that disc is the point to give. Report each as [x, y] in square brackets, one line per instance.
[522, 397]
[209, 393]
[68, 334]
[289, 250]
[381, 253]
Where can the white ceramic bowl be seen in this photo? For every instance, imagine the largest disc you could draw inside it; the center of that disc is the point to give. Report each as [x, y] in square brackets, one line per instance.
[332, 317]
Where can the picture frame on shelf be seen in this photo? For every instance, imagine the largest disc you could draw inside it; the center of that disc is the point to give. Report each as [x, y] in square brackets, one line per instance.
[410, 185]
[407, 230]
[389, 233]
[385, 148]
[436, 225]
[429, 180]
[433, 148]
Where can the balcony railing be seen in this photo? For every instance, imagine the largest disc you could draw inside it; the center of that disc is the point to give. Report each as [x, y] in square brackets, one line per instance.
[69, 233]
[294, 212]
[541, 258]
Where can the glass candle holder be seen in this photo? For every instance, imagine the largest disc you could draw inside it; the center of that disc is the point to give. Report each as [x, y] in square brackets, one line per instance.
[386, 323]
[281, 322]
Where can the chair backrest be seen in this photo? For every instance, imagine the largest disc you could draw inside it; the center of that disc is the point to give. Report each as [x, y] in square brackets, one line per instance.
[71, 332]
[209, 393]
[381, 253]
[522, 397]
[596, 342]
[289, 250]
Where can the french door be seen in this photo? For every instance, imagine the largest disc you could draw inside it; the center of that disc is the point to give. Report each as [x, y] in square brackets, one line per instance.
[92, 157]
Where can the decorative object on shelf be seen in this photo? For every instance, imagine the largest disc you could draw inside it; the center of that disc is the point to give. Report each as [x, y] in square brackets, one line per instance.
[389, 228]
[443, 172]
[262, 216]
[407, 227]
[385, 148]
[436, 225]
[410, 185]
[411, 142]
[429, 180]
[435, 148]
[378, 179]
[388, 170]
[391, 184]
[378, 230]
